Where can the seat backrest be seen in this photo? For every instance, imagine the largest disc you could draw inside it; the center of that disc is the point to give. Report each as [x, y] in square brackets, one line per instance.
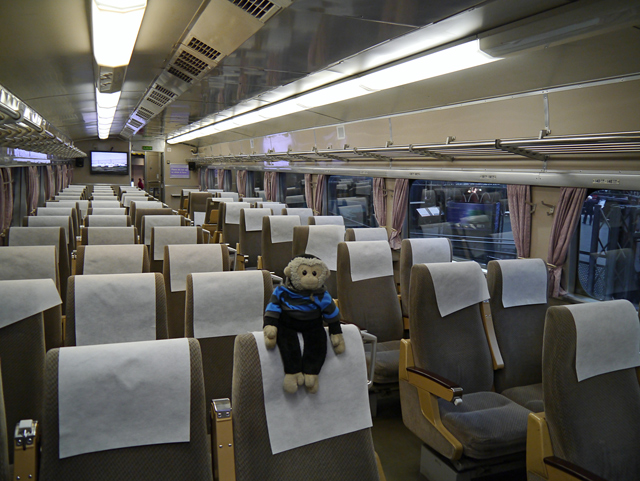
[107, 221]
[138, 204]
[277, 241]
[81, 206]
[420, 251]
[140, 212]
[518, 290]
[276, 207]
[229, 220]
[452, 344]
[105, 204]
[251, 200]
[107, 211]
[22, 346]
[112, 259]
[250, 235]
[366, 234]
[590, 386]
[112, 308]
[321, 241]
[368, 298]
[109, 235]
[326, 220]
[184, 198]
[355, 457]
[212, 214]
[198, 202]
[302, 212]
[55, 221]
[162, 236]
[181, 260]
[135, 376]
[150, 221]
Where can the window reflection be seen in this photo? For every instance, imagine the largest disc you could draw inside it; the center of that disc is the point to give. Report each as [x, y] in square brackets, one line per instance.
[352, 198]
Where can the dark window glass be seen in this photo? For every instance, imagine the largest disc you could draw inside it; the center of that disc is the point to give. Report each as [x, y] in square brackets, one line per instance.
[294, 190]
[352, 198]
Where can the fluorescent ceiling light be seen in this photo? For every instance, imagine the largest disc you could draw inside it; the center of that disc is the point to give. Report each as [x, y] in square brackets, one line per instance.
[115, 24]
[453, 59]
[106, 100]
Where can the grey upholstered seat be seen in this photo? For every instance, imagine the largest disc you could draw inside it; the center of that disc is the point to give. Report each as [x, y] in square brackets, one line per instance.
[593, 422]
[229, 222]
[107, 221]
[519, 330]
[277, 240]
[182, 460]
[198, 202]
[347, 457]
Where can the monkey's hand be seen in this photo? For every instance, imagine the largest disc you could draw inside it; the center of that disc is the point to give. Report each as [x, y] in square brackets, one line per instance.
[337, 341]
[270, 333]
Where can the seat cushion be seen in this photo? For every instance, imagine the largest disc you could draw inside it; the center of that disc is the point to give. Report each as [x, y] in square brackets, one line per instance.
[387, 362]
[487, 424]
[528, 396]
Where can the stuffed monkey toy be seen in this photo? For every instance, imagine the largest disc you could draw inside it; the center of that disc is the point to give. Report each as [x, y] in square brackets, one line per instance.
[301, 305]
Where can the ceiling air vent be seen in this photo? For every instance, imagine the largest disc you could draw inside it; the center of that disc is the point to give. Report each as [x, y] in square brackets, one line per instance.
[191, 64]
[135, 123]
[144, 113]
[128, 131]
[204, 49]
[182, 76]
[155, 97]
[255, 8]
[165, 91]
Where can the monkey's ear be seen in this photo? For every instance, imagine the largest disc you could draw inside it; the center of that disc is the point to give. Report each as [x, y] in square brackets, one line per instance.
[327, 274]
[287, 271]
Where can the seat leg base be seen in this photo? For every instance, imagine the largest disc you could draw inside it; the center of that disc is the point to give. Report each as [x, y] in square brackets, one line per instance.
[436, 468]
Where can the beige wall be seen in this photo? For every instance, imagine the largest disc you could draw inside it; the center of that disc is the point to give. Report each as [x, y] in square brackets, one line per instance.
[179, 154]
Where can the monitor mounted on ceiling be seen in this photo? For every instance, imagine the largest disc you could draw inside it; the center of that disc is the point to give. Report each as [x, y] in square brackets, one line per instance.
[113, 163]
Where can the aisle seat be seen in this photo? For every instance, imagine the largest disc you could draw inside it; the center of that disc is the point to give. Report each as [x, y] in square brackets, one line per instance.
[276, 207]
[198, 206]
[366, 234]
[302, 212]
[250, 235]
[94, 220]
[162, 236]
[151, 221]
[109, 235]
[55, 221]
[141, 212]
[277, 241]
[62, 211]
[146, 204]
[326, 220]
[107, 211]
[105, 204]
[229, 221]
[112, 259]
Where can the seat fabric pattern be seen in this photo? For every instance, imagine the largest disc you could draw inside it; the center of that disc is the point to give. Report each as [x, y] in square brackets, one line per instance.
[343, 458]
[387, 362]
[190, 460]
[5, 468]
[528, 396]
[593, 423]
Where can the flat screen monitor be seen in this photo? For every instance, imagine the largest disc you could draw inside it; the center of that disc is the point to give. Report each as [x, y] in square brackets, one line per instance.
[114, 163]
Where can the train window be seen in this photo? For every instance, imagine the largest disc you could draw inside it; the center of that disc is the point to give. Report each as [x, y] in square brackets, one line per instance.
[352, 198]
[293, 190]
[474, 216]
[609, 245]
[256, 182]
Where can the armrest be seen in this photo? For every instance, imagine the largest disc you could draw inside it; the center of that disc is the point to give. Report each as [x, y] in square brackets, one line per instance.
[26, 450]
[222, 446]
[562, 470]
[538, 445]
[437, 385]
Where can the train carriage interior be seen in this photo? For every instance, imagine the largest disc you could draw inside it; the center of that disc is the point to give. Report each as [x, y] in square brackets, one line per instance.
[468, 172]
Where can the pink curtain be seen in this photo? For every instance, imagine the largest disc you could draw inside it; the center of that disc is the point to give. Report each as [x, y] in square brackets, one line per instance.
[241, 182]
[64, 179]
[271, 185]
[399, 212]
[567, 215]
[379, 201]
[202, 178]
[308, 190]
[220, 178]
[33, 190]
[69, 176]
[6, 214]
[520, 214]
[58, 171]
[49, 186]
[319, 194]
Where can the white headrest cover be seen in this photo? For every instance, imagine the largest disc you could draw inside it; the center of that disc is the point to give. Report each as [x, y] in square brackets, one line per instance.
[34, 236]
[430, 251]
[232, 211]
[104, 204]
[109, 211]
[276, 207]
[232, 195]
[282, 227]
[110, 235]
[323, 243]
[524, 282]
[114, 396]
[146, 204]
[115, 308]
[328, 219]
[371, 234]
[113, 259]
[607, 337]
[458, 285]
[252, 199]
[24, 298]
[51, 221]
[28, 262]
[253, 218]
[106, 220]
[369, 259]
[218, 310]
[186, 259]
[301, 212]
[150, 221]
[164, 236]
[62, 210]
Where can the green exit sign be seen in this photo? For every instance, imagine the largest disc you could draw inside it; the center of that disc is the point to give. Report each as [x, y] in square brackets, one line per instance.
[147, 147]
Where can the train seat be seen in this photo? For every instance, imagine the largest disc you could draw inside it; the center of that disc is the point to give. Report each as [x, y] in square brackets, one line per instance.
[250, 235]
[296, 201]
[69, 196]
[198, 206]
[302, 212]
[184, 199]
[22, 346]
[112, 259]
[326, 220]
[277, 241]
[419, 251]
[112, 308]
[482, 431]
[103, 196]
[151, 221]
[80, 205]
[339, 457]
[140, 212]
[219, 306]
[276, 207]
[367, 298]
[61, 211]
[366, 234]
[109, 235]
[105, 204]
[146, 204]
[321, 241]
[46, 236]
[146, 423]
[229, 221]
[129, 197]
[591, 395]
[168, 235]
[180, 260]
[251, 200]
[213, 210]
[55, 221]
[107, 211]
[230, 195]
[518, 290]
[94, 220]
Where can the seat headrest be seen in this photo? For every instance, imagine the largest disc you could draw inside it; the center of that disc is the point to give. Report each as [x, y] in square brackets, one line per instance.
[114, 396]
[524, 282]
[232, 211]
[371, 234]
[369, 260]
[24, 298]
[95, 220]
[253, 218]
[218, 310]
[323, 243]
[29, 262]
[282, 227]
[457, 285]
[430, 251]
[186, 259]
[109, 211]
[607, 337]
[111, 235]
[62, 210]
[34, 236]
[301, 212]
[276, 207]
[168, 235]
[51, 221]
[328, 220]
[230, 195]
[105, 204]
[113, 259]
[151, 221]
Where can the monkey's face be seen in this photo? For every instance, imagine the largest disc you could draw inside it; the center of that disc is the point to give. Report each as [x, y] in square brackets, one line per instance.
[310, 276]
